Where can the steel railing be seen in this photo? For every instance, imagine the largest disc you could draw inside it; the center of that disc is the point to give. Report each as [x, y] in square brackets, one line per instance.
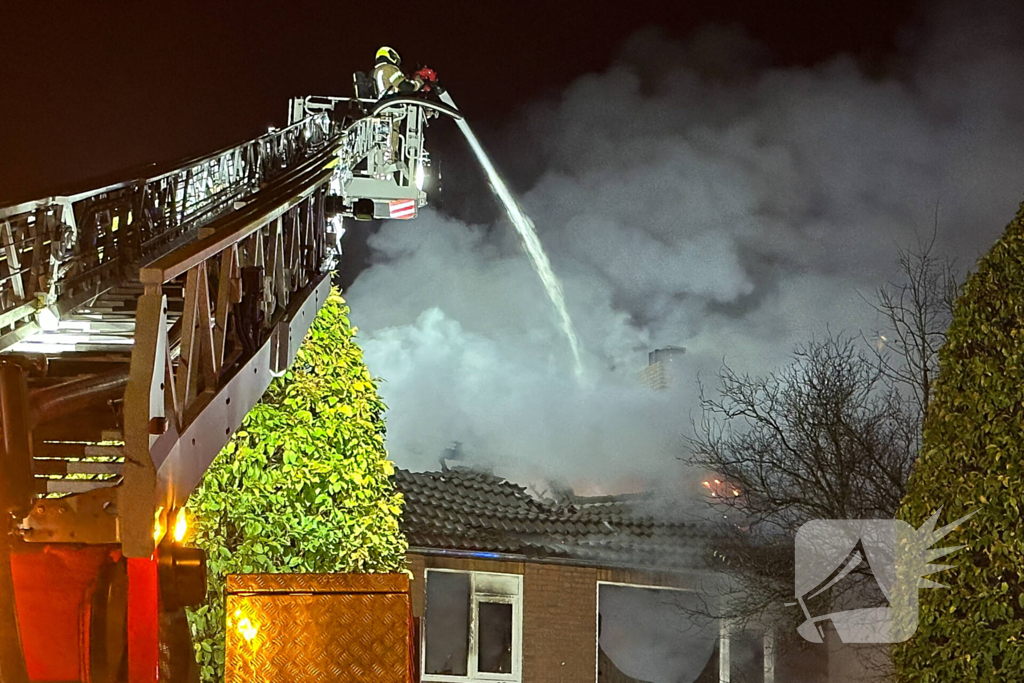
[60, 251]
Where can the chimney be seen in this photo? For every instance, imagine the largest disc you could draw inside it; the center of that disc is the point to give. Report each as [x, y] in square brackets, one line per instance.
[451, 454]
[661, 368]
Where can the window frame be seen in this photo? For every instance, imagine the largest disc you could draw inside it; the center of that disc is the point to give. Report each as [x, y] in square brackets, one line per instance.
[476, 596]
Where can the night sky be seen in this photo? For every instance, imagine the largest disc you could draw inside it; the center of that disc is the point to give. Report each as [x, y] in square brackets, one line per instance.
[94, 89]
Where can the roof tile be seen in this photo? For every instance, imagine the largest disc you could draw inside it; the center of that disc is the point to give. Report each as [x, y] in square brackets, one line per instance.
[462, 509]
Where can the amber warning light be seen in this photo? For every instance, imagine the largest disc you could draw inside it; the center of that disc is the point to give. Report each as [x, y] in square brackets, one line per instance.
[180, 525]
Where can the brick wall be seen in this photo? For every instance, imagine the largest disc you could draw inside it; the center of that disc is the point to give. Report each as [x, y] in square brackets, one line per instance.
[559, 624]
[639, 577]
[416, 565]
[559, 610]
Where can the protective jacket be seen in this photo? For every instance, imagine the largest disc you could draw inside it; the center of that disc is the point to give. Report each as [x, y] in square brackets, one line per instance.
[389, 79]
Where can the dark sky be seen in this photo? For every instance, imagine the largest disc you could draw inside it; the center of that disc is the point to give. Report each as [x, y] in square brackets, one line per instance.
[93, 88]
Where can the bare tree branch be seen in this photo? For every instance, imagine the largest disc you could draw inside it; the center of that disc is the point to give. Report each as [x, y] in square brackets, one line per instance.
[831, 436]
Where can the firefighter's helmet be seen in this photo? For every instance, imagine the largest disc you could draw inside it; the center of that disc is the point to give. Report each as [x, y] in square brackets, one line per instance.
[386, 54]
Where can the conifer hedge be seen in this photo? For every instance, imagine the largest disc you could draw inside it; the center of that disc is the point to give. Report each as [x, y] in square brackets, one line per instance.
[973, 459]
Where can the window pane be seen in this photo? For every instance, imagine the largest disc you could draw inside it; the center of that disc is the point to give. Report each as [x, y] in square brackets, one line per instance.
[746, 651]
[447, 623]
[495, 651]
[497, 584]
[655, 635]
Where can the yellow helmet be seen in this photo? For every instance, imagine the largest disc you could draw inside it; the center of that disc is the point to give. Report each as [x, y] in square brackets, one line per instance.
[386, 54]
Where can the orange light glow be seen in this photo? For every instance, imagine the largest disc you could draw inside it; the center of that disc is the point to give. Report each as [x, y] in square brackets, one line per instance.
[158, 525]
[247, 629]
[180, 525]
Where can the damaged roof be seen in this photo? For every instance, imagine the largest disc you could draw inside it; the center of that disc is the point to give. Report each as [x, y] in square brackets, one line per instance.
[462, 509]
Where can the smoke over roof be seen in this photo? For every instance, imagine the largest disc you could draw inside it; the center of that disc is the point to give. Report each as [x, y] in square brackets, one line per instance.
[691, 195]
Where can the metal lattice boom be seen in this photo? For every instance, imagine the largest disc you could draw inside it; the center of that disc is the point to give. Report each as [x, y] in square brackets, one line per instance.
[141, 321]
[62, 251]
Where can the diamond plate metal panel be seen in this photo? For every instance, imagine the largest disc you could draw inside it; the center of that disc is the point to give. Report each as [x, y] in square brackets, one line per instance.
[317, 583]
[306, 629]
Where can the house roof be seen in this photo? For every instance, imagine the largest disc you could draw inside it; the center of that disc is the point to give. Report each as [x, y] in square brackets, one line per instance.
[462, 509]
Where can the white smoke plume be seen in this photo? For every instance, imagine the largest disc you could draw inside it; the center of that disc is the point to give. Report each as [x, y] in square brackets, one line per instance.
[691, 195]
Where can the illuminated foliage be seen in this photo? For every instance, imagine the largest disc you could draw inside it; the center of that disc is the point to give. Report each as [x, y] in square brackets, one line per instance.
[972, 460]
[304, 485]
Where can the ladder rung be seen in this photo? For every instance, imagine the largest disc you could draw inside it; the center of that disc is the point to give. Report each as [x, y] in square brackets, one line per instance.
[104, 451]
[70, 450]
[65, 467]
[78, 485]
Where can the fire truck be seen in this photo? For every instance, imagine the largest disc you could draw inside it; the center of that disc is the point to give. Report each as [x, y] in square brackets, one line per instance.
[139, 323]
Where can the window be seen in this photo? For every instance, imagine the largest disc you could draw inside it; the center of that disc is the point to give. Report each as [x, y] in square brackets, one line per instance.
[472, 626]
[747, 661]
[654, 634]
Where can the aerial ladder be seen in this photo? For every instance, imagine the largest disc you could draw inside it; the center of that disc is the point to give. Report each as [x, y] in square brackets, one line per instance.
[139, 323]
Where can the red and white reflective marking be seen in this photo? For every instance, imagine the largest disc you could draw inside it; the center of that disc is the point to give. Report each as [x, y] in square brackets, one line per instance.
[402, 208]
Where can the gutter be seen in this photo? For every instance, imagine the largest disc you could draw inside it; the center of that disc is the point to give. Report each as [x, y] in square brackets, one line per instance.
[594, 564]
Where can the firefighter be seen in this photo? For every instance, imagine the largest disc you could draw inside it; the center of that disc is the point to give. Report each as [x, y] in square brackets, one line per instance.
[388, 78]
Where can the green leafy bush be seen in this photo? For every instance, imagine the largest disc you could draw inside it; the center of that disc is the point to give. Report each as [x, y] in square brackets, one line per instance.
[304, 485]
[973, 459]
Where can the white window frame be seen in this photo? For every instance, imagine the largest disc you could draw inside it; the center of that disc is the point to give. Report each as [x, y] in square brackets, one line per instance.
[475, 598]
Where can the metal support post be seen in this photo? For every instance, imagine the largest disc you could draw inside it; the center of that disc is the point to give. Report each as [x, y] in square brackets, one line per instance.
[724, 658]
[769, 657]
[15, 478]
